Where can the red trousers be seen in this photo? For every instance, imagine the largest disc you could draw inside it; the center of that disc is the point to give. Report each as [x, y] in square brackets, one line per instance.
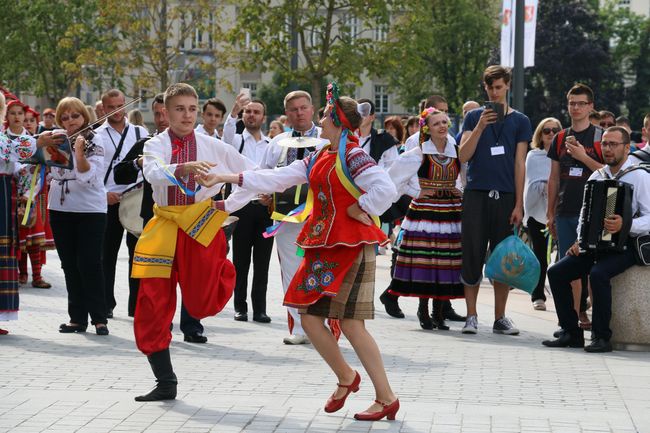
[207, 280]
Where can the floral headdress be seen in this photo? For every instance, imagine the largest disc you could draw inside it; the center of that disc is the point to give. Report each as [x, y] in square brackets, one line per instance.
[336, 113]
[424, 128]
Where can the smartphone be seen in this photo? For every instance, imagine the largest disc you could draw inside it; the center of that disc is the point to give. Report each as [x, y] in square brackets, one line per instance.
[497, 108]
[246, 92]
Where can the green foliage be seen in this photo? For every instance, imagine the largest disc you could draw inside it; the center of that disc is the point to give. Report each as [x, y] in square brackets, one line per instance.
[440, 47]
[268, 34]
[42, 43]
[273, 93]
[572, 46]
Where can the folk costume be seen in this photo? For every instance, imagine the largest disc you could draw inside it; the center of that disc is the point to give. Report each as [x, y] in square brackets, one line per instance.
[336, 276]
[11, 151]
[35, 236]
[428, 261]
[182, 244]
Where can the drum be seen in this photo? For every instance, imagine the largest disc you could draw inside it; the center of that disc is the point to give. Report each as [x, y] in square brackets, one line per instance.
[130, 205]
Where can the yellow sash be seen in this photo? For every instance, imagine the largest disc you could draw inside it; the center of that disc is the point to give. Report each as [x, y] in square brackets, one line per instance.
[154, 252]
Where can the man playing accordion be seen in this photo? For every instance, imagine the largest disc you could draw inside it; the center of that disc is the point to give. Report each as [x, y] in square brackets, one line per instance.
[601, 265]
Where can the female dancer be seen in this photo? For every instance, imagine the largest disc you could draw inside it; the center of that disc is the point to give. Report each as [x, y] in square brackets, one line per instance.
[77, 205]
[429, 255]
[337, 275]
[11, 151]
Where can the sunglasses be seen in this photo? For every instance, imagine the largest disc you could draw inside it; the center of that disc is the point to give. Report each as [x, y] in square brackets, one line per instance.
[607, 124]
[550, 130]
[73, 116]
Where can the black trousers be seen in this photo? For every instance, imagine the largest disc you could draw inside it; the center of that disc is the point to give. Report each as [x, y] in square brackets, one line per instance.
[112, 242]
[247, 238]
[540, 248]
[601, 269]
[79, 238]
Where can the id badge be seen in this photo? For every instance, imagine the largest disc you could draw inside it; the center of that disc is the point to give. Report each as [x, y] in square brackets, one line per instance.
[575, 172]
[497, 150]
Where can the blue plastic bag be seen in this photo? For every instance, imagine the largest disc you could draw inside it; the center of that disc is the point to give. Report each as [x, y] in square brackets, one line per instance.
[513, 263]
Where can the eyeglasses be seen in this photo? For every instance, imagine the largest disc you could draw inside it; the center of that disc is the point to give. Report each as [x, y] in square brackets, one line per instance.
[607, 124]
[550, 130]
[73, 116]
[579, 104]
[610, 144]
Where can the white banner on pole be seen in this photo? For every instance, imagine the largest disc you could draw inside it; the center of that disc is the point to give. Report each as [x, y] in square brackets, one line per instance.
[508, 32]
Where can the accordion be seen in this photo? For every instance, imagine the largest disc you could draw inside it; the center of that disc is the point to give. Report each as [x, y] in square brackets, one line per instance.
[602, 199]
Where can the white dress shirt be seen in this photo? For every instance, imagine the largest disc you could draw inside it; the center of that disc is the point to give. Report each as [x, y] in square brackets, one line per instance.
[244, 143]
[111, 139]
[201, 130]
[156, 167]
[387, 158]
[274, 152]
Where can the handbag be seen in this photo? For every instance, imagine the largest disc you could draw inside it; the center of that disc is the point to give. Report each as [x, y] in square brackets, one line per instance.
[513, 263]
[642, 250]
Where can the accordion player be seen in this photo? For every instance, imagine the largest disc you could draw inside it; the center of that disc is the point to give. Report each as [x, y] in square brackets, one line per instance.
[602, 199]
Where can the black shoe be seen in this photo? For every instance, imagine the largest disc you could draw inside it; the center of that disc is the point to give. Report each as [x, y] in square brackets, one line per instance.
[558, 333]
[423, 314]
[64, 328]
[567, 339]
[261, 317]
[391, 305]
[165, 389]
[450, 314]
[101, 330]
[599, 345]
[195, 338]
[241, 317]
[437, 316]
[109, 314]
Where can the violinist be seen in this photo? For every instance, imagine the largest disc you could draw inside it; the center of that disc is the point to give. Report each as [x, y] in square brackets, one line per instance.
[77, 205]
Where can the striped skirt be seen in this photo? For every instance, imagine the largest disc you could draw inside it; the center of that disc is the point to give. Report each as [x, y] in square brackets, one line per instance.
[428, 259]
[8, 250]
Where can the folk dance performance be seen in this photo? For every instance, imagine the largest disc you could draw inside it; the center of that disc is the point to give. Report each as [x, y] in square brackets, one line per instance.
[337, 274]
[183, 243]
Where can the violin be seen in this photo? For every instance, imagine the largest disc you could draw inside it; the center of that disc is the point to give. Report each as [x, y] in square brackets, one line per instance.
[88, 134]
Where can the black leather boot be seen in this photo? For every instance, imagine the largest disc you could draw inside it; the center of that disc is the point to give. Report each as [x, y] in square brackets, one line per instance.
[437, 315]
[423, 314]
[161, 365]
[391, 305]
[450, 314]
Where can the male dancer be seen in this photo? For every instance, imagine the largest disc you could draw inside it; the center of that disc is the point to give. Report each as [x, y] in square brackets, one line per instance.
[183, 243]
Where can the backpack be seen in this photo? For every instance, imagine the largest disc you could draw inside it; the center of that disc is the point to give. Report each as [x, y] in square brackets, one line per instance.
[562, 135]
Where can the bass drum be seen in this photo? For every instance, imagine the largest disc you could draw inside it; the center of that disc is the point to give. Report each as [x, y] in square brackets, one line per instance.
[130, 205]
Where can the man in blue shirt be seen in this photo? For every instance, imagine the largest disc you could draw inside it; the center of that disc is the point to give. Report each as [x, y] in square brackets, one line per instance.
[495, 149]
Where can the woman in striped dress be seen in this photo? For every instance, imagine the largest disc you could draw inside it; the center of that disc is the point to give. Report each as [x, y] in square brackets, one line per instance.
[429, 254]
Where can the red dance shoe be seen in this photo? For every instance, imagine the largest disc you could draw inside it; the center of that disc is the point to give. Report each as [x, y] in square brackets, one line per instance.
[334, 404]
[389, 411]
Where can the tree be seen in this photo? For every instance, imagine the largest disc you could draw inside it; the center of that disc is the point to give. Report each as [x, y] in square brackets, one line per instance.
[160, 41]
[571, 46]
[273, 93]
[441, 47]
[307, 42]
[42, 45]
[629, 34]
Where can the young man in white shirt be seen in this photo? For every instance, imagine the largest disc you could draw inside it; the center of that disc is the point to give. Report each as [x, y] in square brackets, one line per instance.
[118, 136]
[615, 145]
[212, 114]
[254, 218]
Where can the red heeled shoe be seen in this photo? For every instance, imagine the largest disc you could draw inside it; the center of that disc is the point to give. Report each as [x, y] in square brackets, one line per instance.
[389, 411]
[334, 404]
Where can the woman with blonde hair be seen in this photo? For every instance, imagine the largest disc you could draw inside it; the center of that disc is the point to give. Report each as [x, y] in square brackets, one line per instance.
[538, 169]
[77, 205]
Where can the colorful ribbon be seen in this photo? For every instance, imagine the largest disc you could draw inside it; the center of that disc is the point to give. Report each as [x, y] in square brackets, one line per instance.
[41, 169]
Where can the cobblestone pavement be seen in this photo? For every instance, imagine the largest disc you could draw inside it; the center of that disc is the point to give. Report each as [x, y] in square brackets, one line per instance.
[246, 380]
